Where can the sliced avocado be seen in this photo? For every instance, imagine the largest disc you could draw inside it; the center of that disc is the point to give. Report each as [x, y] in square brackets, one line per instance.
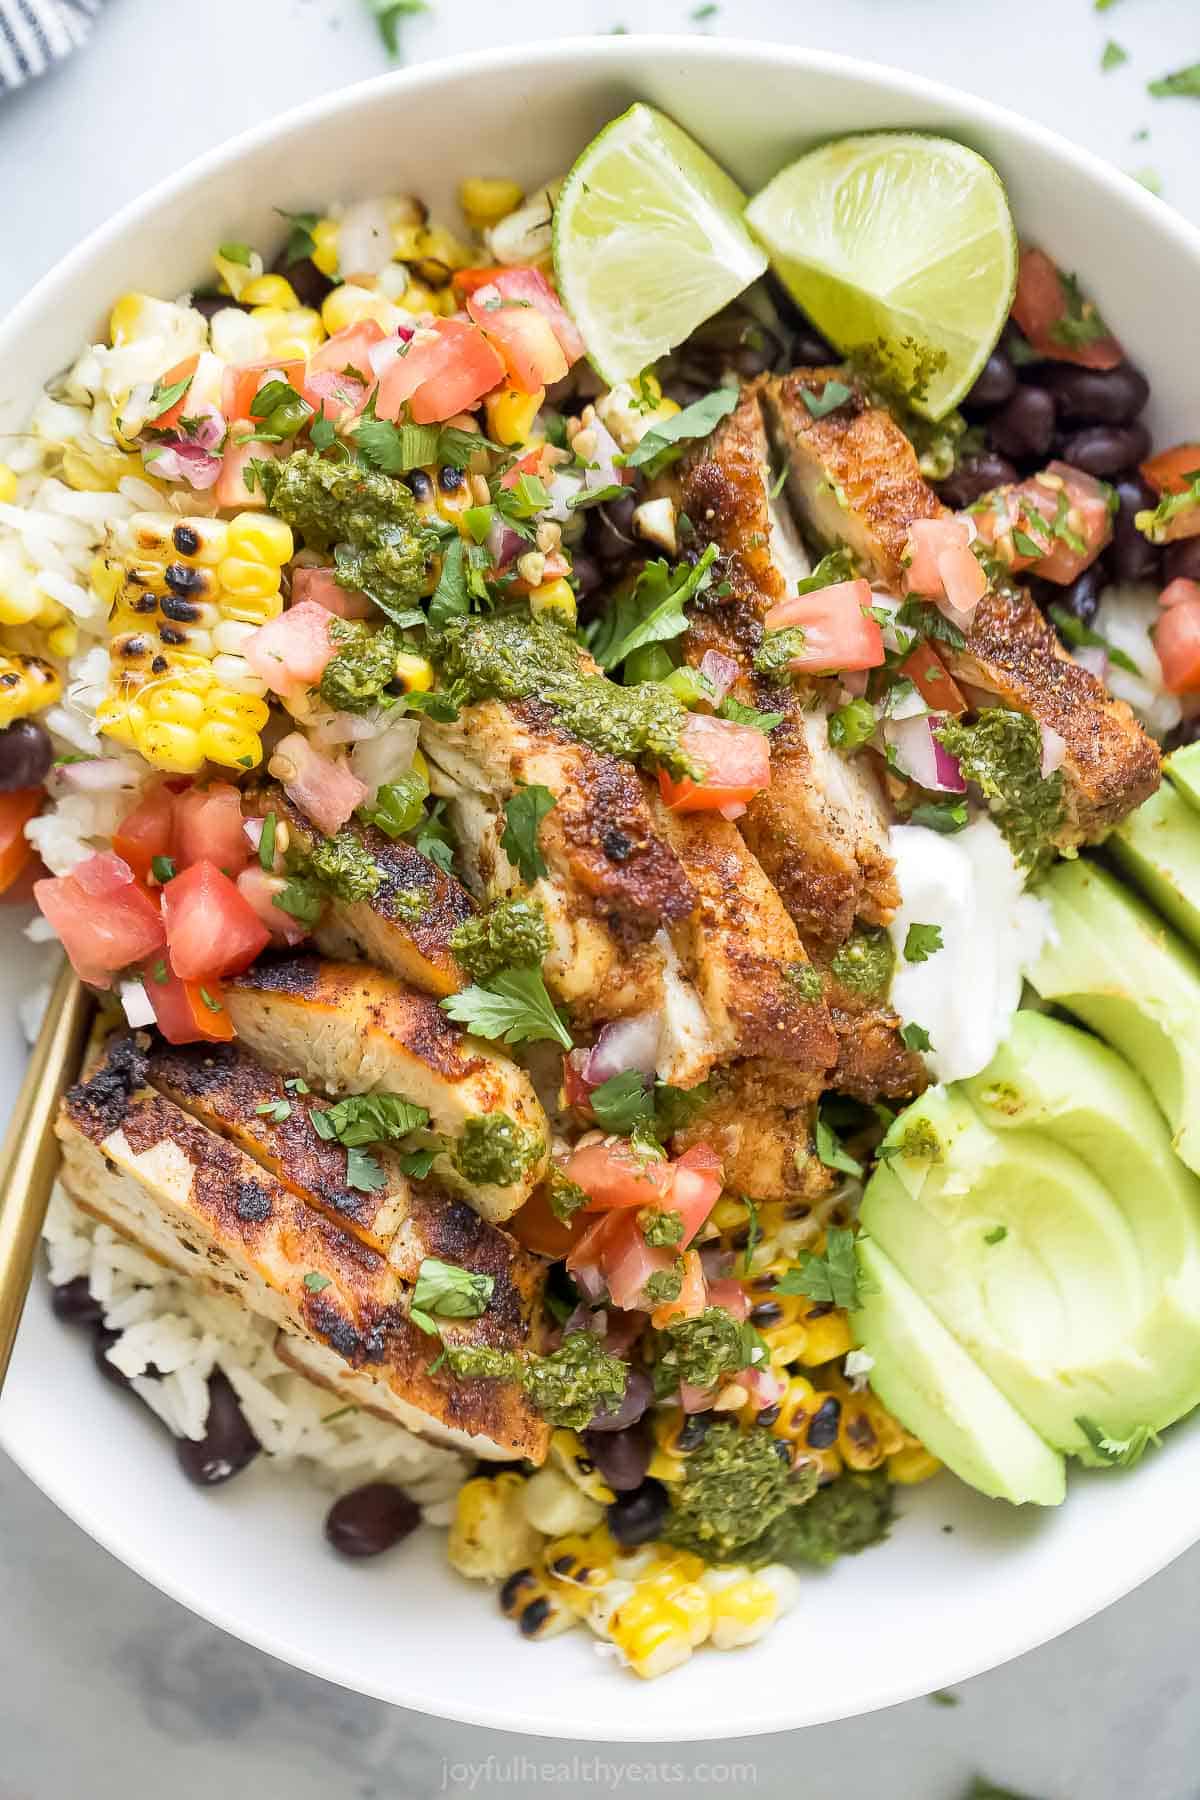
[1057, 1238]
[1183, 767]
[1158, 846]
[1125, 973]
[935, 1390]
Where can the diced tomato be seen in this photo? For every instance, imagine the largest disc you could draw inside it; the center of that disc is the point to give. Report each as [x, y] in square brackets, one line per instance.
[105, 919]
[186, 1012]
[933, 681]
[231, 488]
[692, 1297]
[538, 1229]
[339, 398]
[614, 1175]
[290, 653]
[1179, 590]
[183, 371]
[624, 1258]
[532, 463]
[339, 375]
[575, 1090]
[1041, 304]
[730, 1295]
[211, 928]
[321, 587]
[148, 831]
[531, 286]
[927, 539]
[736, 765]
[1177, 641]
[1073, 544]
[258, 889]
[1173, 471]
[16, 852]
[524, 337]
[695, 1188]
[447, 367]
[241, 383]
[208, 828]
[348, 350]
[324, 790]
[839, 632]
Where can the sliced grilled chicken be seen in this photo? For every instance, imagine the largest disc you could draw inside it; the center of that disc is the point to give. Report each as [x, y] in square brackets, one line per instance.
[201, 1206]
[406, 925]
[874, 1063]
[350, 1029]
[854, 478]
[820, 829]
[760, 1119]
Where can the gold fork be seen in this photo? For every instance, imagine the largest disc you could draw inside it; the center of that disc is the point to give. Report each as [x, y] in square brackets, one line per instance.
[29, 1158]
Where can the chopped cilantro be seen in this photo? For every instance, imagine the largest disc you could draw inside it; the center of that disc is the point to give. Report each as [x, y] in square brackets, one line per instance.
[738, 714]
[623, 1102]
[1118, 1453]
[1076, 632]
[830, 1151]
[275, 1110]
[314, 1282]
[659, 447]
[450, 1291]
[652, 611]
[363, 1172]
[162, 868]
[513, 1007]
[921, 942]
[945, 816]
[369, 1119]
[266, 843]
[300, 243]
[390, 15]
[852, 725]
[915, 1037]
[162, 399]
[522, 815]
[831, 1276]
[832, 395]
[1113, 55]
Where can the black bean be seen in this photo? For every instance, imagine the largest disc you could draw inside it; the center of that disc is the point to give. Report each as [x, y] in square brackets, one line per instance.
[767, 1312]
[636, 1518]
[1081, 597]
[976, 475]
[750, 360]
[695, 1428]
[1181, 561]
[370, 1519]
[995, 383]
[307, 280]
[637, 1398]
[1106, 449]
[1097, 396]
[208, 304]
[1186, 732]
[586, 571]
[809, 348]
[1024, 426]
[102, 1342]
[228, 1443]
[622, 1457]
[26, 754]
[74, 1305]
[610, 530]
[823, 1430]
[1131, 556]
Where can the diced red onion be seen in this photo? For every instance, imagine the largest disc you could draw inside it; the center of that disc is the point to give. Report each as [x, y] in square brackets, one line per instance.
[1054, 750]
[589, 1281]
[503, 543]
[253, 829]
[1094, 659]
[208, 429]
[587, 1318]
[623, 1045]
[721, 670]
[920, 757]
[695, 1399]
[184, 462]
[365, 242]
[763, 1387]
[855, 682]
[136, 1004]
[715, 1262]
[97, 775]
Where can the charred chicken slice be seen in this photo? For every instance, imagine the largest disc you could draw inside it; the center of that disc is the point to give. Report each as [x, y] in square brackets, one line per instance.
[200, 1205]
[759, 1119]
[350, 1029]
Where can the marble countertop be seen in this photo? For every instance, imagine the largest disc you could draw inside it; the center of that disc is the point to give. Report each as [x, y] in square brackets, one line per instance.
[109, 1690]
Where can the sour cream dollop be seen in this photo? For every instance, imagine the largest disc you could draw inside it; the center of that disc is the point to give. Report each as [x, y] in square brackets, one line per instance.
[966, 993]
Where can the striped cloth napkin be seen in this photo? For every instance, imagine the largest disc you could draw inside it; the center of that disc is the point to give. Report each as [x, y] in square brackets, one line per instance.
[36, 33]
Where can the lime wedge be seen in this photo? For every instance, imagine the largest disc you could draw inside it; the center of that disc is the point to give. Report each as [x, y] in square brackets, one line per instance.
[648, 241]
[901, 241]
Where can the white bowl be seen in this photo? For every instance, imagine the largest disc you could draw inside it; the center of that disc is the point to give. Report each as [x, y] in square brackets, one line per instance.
[964, 1583]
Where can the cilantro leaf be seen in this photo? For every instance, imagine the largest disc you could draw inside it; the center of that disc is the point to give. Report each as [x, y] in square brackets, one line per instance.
[1076, 632]
[162, 399]
[658, 448]
[266, 844]
[432, 838]
[450, 598]
[747, 715]
[832, 1276]
[390, 14]
[1118, 1453]
[1081, 322]
[162, 868]
[513, 1007]
[417, 1163]
[921, 942]
[396, 449]
[1182, 84]
[301, 899]
[275, 1110]
[523, 814]
[300, 242]
[624, 1102]
[455, 1293]
[830, 1151]
[369, 1119]
[314, 1282]
[836, 565]
[915, 1037]
[363, 1172]
[946, 816]
[652, 613]
[832, 395]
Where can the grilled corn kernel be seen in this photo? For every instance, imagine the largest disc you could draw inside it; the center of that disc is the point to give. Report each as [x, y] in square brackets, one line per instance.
[414, 673]
[786, 1344]
[20, 601]
[538, 1610]
[556, 1506]
[261, 537]
[570, 1454]
[125, 319]
[486, 200]
[324, 236]
[269, 290]
[62, 641]
[27, 685]
[746, 1603]
[579, 1568]
[490, 1536]
[350, 305]
[657, 1617]
[912, 1464]
[292, 332]
[245, 580]
[825, 1338]
[554, 597]
[8, 484]
[510, 414]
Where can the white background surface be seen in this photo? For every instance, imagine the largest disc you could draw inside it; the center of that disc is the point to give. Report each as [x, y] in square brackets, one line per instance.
[106, 1689]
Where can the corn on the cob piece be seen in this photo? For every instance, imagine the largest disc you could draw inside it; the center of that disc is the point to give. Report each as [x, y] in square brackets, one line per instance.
[746, 1602]
[537, 1609]
[555, 1505]
[912, 1464]
[569, 1453]
[490, 1536]
[183, 596]
[27, 685]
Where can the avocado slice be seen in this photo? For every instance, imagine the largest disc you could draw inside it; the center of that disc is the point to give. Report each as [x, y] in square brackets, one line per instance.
[1120, 969]
[932, 1386]
[1158, 846]
[1051, 1230]
[1183, 767]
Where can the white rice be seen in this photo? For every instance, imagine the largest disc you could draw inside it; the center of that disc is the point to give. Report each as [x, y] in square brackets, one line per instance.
[186, 1333]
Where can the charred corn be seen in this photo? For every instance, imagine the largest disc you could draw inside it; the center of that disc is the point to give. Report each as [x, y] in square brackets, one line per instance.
[491, 1536]
[27, 685]
[912, 1464]
[569, 1454]
[184, 595]
[535, 1607]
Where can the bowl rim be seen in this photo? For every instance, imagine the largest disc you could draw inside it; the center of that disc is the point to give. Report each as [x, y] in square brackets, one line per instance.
[1157, 1550]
